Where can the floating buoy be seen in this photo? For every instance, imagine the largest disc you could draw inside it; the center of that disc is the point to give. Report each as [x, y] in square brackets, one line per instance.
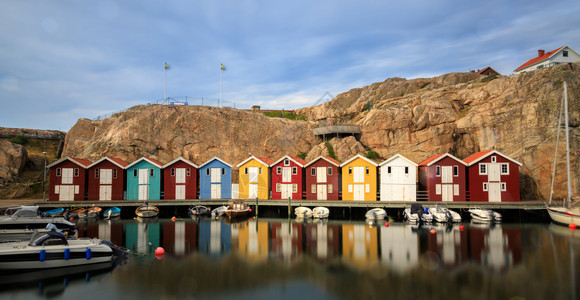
[159, 251]
[250, 210]
[386, 224]
[432, 231]
[173, 219]
[461, 227]
[572, 226]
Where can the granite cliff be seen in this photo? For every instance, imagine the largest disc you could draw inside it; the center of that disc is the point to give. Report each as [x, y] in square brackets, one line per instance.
[459, 113]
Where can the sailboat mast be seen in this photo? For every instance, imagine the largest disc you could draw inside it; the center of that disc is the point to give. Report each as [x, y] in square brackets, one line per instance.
[567, 143]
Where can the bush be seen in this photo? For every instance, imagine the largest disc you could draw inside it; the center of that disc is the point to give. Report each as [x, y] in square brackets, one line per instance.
[302, 155]
[286, 115]
[330, 150]
[19, 139]
[372, 154]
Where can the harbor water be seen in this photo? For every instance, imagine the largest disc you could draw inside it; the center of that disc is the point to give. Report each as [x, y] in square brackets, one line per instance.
[289, 259]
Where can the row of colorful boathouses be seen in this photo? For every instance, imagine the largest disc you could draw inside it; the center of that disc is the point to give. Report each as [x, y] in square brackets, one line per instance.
[488, 176]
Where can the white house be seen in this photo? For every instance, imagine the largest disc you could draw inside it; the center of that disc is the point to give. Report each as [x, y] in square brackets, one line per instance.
[398, 179]
[545, 59]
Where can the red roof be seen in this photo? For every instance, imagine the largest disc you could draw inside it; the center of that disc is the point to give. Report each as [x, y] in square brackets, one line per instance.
[119, 161]
[476, 156]
[154, 161]
[265, 160]
[332, 160]
[539, 58]
[82, 161]
[299, 160]
[430, 159]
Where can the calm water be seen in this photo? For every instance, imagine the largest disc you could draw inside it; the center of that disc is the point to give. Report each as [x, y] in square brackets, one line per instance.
[285, 259]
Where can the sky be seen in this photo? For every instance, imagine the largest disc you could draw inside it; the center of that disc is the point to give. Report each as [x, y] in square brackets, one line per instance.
[61, 60]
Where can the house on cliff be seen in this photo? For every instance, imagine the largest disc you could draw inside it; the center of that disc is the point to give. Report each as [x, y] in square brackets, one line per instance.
[322, 177]
[68, 179]
[398, 179]
[254, 178]
[180, 180]
[493, 177]
[215, 179]
[545, 59]
[443, 177]
[359, 179]
[106, 179]
[144, 179]
[287, 177]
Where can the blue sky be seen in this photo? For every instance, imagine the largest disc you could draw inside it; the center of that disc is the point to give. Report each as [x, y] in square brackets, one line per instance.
[65, 60]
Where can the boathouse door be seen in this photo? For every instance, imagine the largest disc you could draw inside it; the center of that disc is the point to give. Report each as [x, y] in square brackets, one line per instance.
[66, 193]
[180, 192]
[105, 192]
[143, 184]
[321, 174]
[322, 192]
[358, 191]
[494, 191]
[253, 190]
[216, 191]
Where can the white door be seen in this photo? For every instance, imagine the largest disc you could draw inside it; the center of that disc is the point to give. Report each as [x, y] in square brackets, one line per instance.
[143, 192]
[398, 192]
[286, 191]
[66, 192]
[493, 172]
[494, 191]
[359, 174]
[180, 192]
[322, 191]
[286, 174]
[105, 192]
[253, 190]
[253, 172]
[387, 192]
[447, 192]
[67, 176]
[216, 175]
[143, 176]
[216, 191]
[106, 176]
[321, 174]
[358, 192]
[447, 174]
[180, 175]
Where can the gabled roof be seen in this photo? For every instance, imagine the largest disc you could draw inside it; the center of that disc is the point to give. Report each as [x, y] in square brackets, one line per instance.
[150, 160]
[538, 59]
[327, 158]
[215, 158]
[299, 161]
[116, 161]
[435, 158]
[482, 71]
[84, 163]
[476, 157]
[395, 157]
[358, 156]
[263, 160]
[180, 159]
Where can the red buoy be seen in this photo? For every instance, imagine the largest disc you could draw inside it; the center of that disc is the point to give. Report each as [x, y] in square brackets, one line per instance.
[433, 231]
[173, 219]
[386, 224]
[461, 227]
[250, 210]
[572, 226]
[159, 251]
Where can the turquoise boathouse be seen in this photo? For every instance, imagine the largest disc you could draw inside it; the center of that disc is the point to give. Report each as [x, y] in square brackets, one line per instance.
[144, 179]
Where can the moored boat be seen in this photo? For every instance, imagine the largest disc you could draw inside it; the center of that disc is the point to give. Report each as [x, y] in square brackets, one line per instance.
[24, 219]
[376, 214]
[484, 215]
[112, 212]
[443, 214]
[57, 212]
[218, 211]
[94, 212]
[237, 209]
[320, 212]
[78, 212]
[303, 212]
[147, 211]
[199, 210]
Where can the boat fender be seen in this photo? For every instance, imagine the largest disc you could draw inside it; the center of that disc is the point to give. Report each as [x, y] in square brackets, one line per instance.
[42, 255]
[88, 253]
[66, 254]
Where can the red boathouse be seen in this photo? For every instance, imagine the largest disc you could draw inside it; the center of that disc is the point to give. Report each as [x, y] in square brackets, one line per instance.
[180, 180]
[287, 177]
[493, 177]
[443, 176]
[322, 179]
[68, 179]
[106, 179]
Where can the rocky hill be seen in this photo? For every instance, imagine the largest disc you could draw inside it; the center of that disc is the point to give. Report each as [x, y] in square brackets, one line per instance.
[459, 113]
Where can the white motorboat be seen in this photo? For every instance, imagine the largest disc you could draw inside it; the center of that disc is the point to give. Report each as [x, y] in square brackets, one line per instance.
[26, 218]
[199, 210]
[416, 213]
[484, 215]
[412, 218]
[302, 212]
[218, 211]
[376, 214]
[569, 212]
[443, 214]
[147, 211]
[320, 212]
[438, 214]
[51, 249]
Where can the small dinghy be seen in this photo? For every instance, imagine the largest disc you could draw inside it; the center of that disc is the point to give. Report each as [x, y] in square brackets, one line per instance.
[112, 212]
[218, 211]
[376, 214]
[480, 215]
[237, 209]
[57, 212]
[147, 211]
[199, 210]
[303, 212]
[79, 213]
[442, 214]
[94, 212]
[320, 212]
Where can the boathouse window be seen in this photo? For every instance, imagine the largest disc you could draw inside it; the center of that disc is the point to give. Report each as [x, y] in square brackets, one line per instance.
[350, 188]
[294, 188]
[313, 171]
[286, 162]
[349, 170]
[260, 170]
[172, 171]
[505, 170]
[437, 171]
[188, 172]
[330, 188]
[76, 172]
[57, 172]
[406, 170]
[367, 188]
[223, 171]
[114, 173]
[329, 171]
[135, 172]
[207, 171]
[278, 170]
[389, 170]
[152, 172]
[96, 173]
[455, 171]
[485, 186]
[367, 170]
[493, 159]
[278, 186]
[294, 170]
[503, 187]
[565, 53]
[313, 188]
[245, 171]
[482, 169]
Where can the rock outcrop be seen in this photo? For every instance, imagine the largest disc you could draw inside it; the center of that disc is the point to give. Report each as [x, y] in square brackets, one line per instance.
[344, 148]
[13, 158]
